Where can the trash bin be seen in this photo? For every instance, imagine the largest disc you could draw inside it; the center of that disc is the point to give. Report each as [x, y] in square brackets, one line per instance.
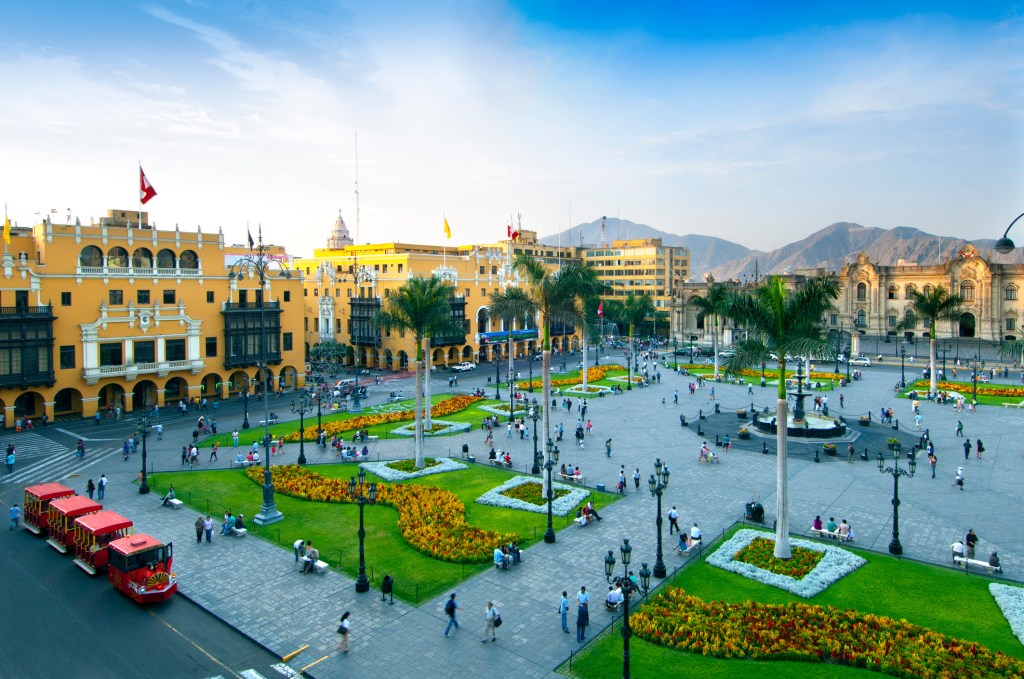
[755, 512]
[465, 449]
[600, 487]
[386, 585]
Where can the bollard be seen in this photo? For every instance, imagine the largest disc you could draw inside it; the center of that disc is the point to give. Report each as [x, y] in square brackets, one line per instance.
[700, 432]
[764, 447]
[718, 440]
[816, 458]
[896, 426]
[700, 414]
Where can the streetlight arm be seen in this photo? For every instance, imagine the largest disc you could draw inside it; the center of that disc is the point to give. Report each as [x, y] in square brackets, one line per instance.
[1005, 244]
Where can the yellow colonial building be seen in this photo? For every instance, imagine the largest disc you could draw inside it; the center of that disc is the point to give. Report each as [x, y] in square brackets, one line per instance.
[110, 315]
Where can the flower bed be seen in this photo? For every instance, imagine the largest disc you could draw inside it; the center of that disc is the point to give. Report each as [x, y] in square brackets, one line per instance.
[431, 520]
[983, 390]
[561, 506]
[834, 565]
[501, 409]
[759, 552]
[799, 631]
[533, 493]
[448, 406]
[590, 390]
[1011, 602]
[594, 373]
[401, 470]
[437, 428]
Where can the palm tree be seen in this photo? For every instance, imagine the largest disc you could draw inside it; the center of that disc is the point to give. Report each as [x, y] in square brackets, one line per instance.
[588, 287]
[932, 305]
[554, 293]
[714, 306]
[635, 310]
[787, 323]
[421, 306]
[509, 305]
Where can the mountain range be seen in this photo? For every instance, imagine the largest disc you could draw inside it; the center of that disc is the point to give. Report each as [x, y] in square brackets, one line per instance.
[829, 248]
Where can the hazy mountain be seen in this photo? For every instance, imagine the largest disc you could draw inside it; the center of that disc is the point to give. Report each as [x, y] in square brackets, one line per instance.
[706, 252]
[839, 243]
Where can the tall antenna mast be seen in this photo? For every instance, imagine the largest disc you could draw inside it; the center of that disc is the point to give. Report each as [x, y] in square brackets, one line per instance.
[357, 188]
[602, 231]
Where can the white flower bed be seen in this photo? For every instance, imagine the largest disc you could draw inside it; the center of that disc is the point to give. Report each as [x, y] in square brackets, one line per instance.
[449, 428]
[834, 566]
[592, 389]
[385, 472]
[560, 506]
[502, 410]
[1011, 603]
[623, 378]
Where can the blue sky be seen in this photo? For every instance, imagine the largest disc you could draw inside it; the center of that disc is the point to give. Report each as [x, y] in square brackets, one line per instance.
[756, 123]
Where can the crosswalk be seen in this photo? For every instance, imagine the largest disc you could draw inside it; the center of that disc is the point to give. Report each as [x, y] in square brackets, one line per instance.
[281, 668]
[40, 459]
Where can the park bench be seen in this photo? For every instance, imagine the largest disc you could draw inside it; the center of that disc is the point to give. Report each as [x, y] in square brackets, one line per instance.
[821, 532]
[239, 532]
[175, 503]
[1014, 405]
[694, 545]
[977, 563]
[582, 480]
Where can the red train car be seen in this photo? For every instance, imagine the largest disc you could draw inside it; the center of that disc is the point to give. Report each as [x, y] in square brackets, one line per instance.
[36, 505]
[93, 533]
[139, 566]
[63, 513]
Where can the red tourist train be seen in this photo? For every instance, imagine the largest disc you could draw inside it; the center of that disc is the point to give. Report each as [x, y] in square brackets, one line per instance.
[138, 565]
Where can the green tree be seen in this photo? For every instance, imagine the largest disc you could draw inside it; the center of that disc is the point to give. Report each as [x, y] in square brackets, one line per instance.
[932, 305]
[713, 307]
[786, 323]
[635, 310]
[510, 305]
[588, 287]
[422, 307]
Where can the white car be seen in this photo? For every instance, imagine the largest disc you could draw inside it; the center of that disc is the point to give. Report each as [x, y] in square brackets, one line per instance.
[728, 353]
[860, 360]
[463, 367]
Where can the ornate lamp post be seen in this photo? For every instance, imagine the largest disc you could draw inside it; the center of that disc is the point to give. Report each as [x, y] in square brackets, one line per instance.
[497, 377]
[356, 406]
[894, 545]
[974, 377]
[531, 371]
[535, 415]
[259, 261]
[143, 431]
[245, 405]
[362, 497]
[658, 483]
[629, 370]
[945, 348]
[675, 354]
[628, 588]
[549, 534]
[903, 375]
[319, 401]
[300, 409]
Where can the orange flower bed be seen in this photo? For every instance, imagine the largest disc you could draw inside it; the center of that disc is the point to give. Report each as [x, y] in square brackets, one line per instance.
[445, 407]
[594, 373]
[983, 390]
[432, 520]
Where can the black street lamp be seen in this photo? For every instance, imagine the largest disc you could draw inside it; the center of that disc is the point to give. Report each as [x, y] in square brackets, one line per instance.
[143, 431]
[903, 375]
[362, 498]
[675, 354]
[974, 377]
[658, 483]
[245, 405]
[549, 534]
[894, 545]
[534, 415]
[629, 370]
[300, 409]
[319, 401]
[531, 370]
[356, 407]
[497, 377]
[628, 588]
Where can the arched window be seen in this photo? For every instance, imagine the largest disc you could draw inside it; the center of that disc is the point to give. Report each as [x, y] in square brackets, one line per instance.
[909, 291]
[165, 259]
[142, 258]
[91, 256]
[1011, 292]
[967, 291]
[481, 321]
[117, 256]
[862, 318]
[862, 292]
[188, 260]
[928, 289]
[893, 292]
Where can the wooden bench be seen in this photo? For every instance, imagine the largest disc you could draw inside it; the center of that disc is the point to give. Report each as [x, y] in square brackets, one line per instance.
[965, 562]
[175, 503]
[1014, 405]
[239, 532]
[821, 532]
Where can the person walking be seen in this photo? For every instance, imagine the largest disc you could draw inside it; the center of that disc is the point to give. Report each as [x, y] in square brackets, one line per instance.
[970, 541]
[563, 610]
[234, 438]
[967, 448]
[636, 479]
[582, 620]
[932, 461]
[344, 629]
[15, 513]
[199, 528]
[978, 448]
[10, 459]
[673, 521]
[213, 453]
[607, 446]
[101, 487]
[490, 614]
[451, 609]
[208, 528]
[959, 480]
[90, 488]
[959, 428]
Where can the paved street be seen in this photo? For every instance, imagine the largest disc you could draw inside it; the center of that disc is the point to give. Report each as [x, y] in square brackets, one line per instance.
[254, 586]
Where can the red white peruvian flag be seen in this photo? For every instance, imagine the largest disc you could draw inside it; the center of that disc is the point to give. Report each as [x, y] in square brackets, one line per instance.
[146, 190]
[509, 227]
[600, 308]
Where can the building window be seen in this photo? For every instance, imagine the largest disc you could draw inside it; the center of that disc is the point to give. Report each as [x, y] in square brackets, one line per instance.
[287, 295]
[142, 296]
[833, 319]
[967, 291]
[305, 292]
[862, 319]
[67, 356]
[65, 299]
[116, 297]
[337, 292]
[316, 292]
[909, 292]
[316, 324]
[385, 268]
[111, 353]
[337, 325]
[175, 349]
[467, 292]
[862, 292]
[1011, 324]
[1011, 292]
[399, 268]
[494, 270]
[211, 347]
[892, 321]
[168, 296]
[482, 268]
[928, 289]
[209, 296]
[893, 292]
[286, 341]
[145, 352]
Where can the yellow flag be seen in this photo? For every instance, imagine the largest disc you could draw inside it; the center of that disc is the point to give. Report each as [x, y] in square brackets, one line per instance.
[7, 228]
[447, 229]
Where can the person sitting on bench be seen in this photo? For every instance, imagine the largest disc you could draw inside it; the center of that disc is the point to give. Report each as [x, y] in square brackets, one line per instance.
[613, 599]
[312, 556]
[167, 498]
[514, 552]
[684, 542]
[240, 522]
[993, 561]
[501, 559]
[593, 512]
[492, 456]
[508, 459]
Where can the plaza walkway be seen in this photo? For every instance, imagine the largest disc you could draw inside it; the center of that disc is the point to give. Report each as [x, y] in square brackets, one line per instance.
[254, 585]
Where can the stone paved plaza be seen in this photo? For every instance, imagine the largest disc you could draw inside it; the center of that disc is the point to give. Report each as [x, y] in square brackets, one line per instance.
[254, 586]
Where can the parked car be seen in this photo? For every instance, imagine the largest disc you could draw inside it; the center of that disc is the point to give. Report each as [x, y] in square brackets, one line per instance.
[860, 360]
[463, 367]
[728, 353]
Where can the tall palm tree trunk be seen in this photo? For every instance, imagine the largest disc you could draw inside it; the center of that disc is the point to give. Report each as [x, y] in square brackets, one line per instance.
[714, 343]
[782, 548]
[931, 362]
[584, 371]
[426, 381]
[419, 407]
[546, 406]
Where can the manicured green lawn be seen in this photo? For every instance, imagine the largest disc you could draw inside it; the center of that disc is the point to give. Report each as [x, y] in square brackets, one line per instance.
[333, 527]
[943, 600]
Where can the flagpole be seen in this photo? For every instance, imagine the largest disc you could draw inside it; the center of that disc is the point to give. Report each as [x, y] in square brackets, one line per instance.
[140, 193]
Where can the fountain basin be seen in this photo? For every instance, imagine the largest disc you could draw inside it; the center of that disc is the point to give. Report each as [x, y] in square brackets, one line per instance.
[813, 426]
